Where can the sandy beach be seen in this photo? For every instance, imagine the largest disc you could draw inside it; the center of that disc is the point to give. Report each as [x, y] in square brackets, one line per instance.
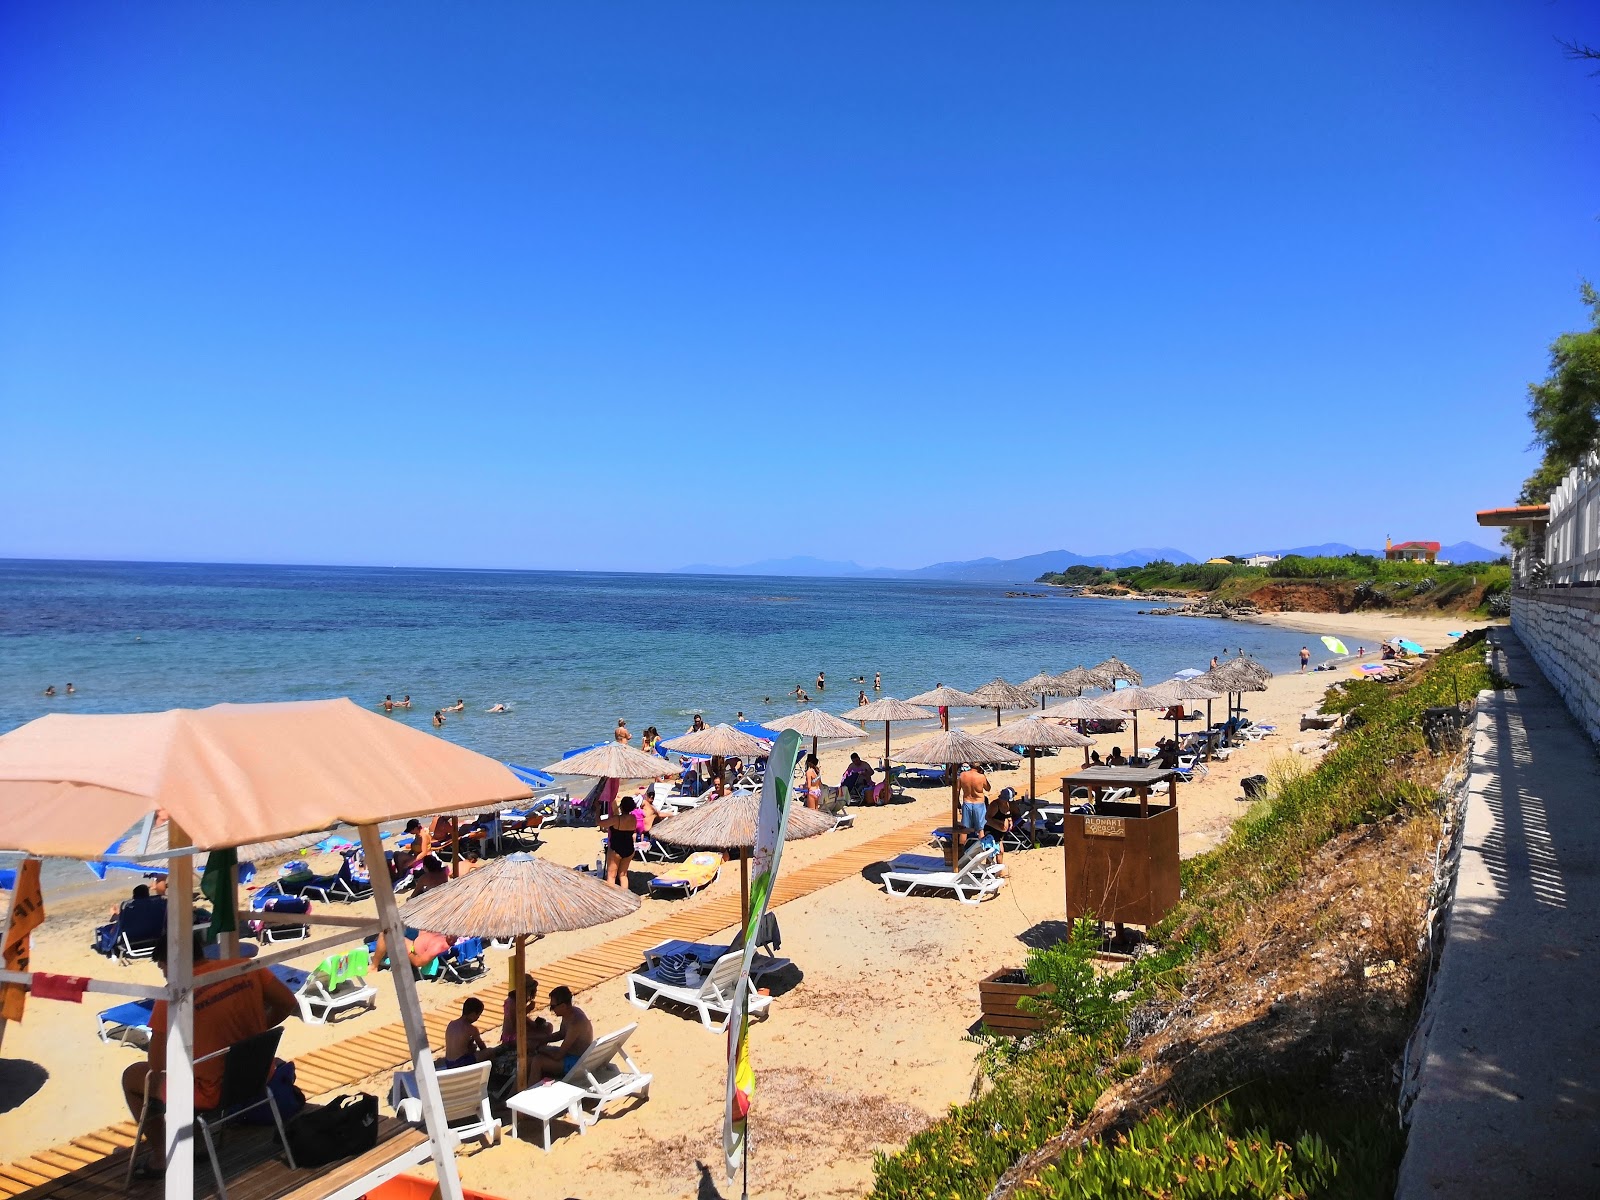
[865, 1047]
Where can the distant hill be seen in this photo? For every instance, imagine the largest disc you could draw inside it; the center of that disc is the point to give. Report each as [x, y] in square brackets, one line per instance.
[1465, 552]
[999, 570]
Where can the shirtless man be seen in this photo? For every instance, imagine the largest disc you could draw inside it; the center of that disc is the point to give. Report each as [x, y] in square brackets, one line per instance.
[973, 785]
[388, 704]
[405, 703]
[621, 732]
[463, 1044]
[566, 1045]
[459, 706]
[497, 708]
[877, 681]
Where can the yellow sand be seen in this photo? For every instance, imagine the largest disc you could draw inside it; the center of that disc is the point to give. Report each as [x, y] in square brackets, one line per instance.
[869, 1045]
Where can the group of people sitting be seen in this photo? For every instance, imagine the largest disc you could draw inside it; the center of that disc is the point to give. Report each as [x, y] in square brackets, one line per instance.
[553, 1050]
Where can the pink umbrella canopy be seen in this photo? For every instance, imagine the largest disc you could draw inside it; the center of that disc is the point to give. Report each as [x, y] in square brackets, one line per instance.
[229, 775]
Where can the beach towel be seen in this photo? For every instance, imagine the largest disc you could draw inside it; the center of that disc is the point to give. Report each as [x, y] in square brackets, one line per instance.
[692, 874]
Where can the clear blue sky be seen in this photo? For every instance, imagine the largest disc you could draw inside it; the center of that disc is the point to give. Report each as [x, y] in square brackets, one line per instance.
[629, 286]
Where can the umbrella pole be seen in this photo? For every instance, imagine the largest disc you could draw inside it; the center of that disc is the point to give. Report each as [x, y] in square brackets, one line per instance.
[520, 1015]
[955, 815]
[1208, 731]
[886, 755]
[813, 746]
[744, 888]
[455, 847]
[1033, 793]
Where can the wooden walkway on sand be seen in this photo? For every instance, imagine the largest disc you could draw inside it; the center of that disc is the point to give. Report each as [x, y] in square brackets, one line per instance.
[384, 1049]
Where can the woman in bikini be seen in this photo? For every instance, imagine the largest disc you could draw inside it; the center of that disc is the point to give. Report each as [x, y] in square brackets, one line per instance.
[619, 841]
[813, 782]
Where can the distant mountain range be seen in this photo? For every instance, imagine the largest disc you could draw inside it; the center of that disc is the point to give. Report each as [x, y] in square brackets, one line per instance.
[1030, 567]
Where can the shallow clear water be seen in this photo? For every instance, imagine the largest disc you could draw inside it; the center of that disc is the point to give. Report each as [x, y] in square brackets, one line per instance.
[569, 652]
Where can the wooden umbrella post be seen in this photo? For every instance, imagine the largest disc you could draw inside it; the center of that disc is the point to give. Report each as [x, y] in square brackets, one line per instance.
[455, 847]
[520, 1016]
[886, 756]
[1033, 794]
[955, 814]
[1207, 742]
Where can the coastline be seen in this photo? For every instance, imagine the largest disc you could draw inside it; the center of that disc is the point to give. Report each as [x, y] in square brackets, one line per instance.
[892, 980]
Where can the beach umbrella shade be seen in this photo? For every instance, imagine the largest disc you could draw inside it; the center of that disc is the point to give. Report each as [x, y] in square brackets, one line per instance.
[814, 723]
[1071, 682]
[950, 748]
[998, 694]
[1134, 700]
[1042, 685]
[729, 824]
[518, 897]
[1189, 673]
[1335, 645]
[1239, 675]
[1106, 674]
[1408, 646]
[1035, 734]
[1084, 708]
[946, 697]
[889, 710]
[1183, 690]
[612, 760]
[719, 743]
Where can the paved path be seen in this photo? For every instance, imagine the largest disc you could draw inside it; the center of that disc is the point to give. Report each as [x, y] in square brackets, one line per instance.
[62, 1170]
[1509, 1099]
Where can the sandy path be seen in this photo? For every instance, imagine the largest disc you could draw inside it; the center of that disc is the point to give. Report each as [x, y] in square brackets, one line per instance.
[869, 1045]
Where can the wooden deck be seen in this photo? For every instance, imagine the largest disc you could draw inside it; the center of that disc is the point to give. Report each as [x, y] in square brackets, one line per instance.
[253, 1164]
[79, 1170]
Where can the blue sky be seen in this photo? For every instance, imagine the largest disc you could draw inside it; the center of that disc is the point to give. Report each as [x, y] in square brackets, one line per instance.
[629, 286]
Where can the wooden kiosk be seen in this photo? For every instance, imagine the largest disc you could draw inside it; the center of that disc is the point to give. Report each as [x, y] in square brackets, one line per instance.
[1122, 861]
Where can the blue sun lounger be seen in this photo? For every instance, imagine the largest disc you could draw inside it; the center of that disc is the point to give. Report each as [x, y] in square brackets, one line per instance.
[128, 1024]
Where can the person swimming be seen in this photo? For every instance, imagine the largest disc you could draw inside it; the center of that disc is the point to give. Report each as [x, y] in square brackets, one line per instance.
[459, 706]
[388, 704]
[497, 708]
[406, 703]
[438, 718]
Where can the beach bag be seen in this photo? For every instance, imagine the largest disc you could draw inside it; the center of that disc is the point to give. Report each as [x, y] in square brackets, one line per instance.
[289, 1098]
[673, 969]
[346, 1126]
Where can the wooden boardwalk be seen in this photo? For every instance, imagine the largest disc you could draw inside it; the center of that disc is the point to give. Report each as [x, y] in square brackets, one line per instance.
[384, 1049]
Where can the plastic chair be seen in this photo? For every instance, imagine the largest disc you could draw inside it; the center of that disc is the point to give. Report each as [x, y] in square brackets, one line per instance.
[245, 1075]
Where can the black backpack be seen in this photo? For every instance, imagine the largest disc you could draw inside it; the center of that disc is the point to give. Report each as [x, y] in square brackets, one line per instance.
[344, 1127]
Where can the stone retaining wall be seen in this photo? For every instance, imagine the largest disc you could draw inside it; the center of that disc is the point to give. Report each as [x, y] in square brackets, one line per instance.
[1561, 629]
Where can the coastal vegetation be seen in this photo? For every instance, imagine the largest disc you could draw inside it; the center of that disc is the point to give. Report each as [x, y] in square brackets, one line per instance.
[1564, 407]
[1250, 1048]
[1299, 583]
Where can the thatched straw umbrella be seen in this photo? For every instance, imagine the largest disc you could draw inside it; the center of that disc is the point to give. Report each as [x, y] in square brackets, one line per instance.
[950, 748]
[719, 743]
[1035, 734]
[1241, 674]
[1072, 682]
[998, 694]
[946, 697]
[519, 896]
[1085, 708]
[889, 710]
[1134, 700]
[614, 760]
[814, 723]
[1189, 689]
[729, 823]
[1106, 674]
[1042, 685]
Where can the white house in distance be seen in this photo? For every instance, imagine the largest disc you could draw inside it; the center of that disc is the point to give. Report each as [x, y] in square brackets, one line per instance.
[1261, 560]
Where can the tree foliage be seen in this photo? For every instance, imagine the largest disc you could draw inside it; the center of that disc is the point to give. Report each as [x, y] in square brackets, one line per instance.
[1565, 406]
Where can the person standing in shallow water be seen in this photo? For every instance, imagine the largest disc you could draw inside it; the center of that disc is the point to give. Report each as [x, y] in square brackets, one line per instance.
[621, 732]
[877, 681]
[1305, 659]
[822, 682]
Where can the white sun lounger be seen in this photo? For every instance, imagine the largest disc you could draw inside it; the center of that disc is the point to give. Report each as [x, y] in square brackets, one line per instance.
[465, 1093]
[712, 998]
[971, 883]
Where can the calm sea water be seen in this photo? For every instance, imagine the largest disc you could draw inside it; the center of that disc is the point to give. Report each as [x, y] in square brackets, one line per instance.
[569, 652]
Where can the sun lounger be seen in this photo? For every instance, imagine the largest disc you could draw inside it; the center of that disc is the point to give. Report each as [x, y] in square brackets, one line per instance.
[711, 997]
[974, 880]
[128, 1023]
[342, 885]
[465, 1093]
[139, 928]
[595, 1076]
[338, 982]
[707, 954]
[271, 899]
[697, 871]
[463, 962]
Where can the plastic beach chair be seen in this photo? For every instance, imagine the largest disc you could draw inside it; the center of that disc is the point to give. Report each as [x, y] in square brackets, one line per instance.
[697, 871]
[971, 882]
[128, 1023]
[711, 997]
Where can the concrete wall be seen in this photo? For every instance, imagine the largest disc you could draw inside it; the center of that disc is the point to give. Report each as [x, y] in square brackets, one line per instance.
[1561, 629]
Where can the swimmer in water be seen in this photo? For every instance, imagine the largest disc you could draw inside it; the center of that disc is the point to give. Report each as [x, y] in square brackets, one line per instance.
[70, 689]
[497, 708]
[388, 704]
[406, 703]
[438, 718]
[51, 690]
[459, 706]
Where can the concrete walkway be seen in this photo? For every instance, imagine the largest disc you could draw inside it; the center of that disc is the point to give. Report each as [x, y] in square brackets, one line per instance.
[1509, 1098]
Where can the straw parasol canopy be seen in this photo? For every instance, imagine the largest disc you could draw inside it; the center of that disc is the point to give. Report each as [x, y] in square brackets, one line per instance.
[1035, 734]
[998, 694]
[719, 741]
[1106, 674]
[889, 710]
[1042, 685]
[1241, 674]
[946, 697]
[518, 896]
[814, 723]
[950, 748]
[1085, 708]
[1135, 700]
[1073, 681]
[229, 775]
[614, 760]
[729, 823]
[1182, 690]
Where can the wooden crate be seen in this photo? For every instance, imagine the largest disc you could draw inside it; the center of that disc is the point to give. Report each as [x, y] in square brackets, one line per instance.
[997, 999]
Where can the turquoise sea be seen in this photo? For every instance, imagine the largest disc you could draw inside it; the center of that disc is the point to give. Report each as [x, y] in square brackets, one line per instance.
[569, 652]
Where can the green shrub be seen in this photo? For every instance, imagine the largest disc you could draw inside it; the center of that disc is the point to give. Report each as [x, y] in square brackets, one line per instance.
[1083, 1001]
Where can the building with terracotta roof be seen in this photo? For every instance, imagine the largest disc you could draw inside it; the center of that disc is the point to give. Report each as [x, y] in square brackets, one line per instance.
[1410, 551]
